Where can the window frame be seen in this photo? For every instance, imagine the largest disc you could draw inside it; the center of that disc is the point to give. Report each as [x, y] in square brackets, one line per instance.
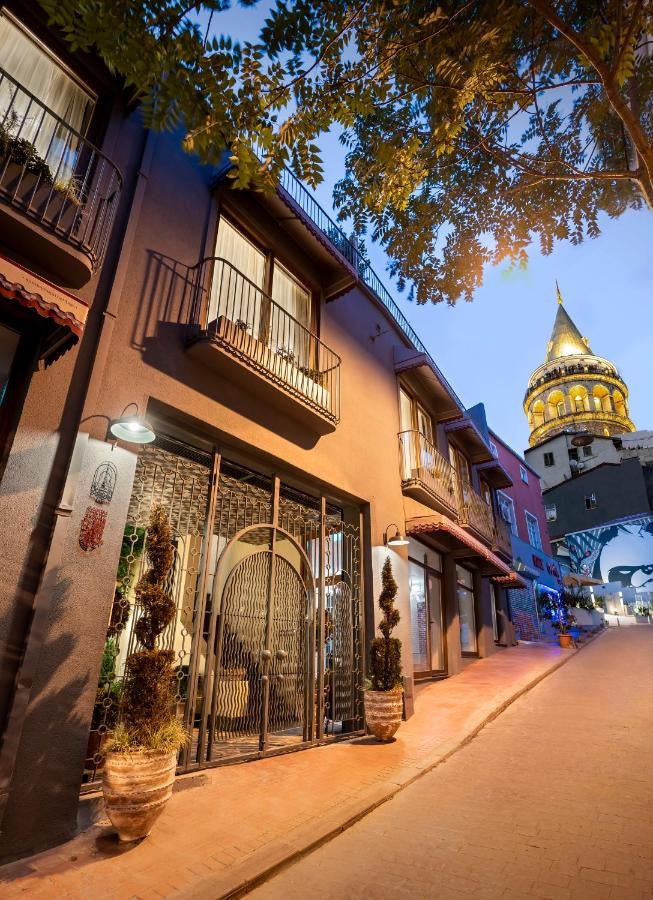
[591, 501]
[549, 455]
[258, 242]
[548, 507]
[533, 520]
[502, 496]
[523, 473]
[462, 586]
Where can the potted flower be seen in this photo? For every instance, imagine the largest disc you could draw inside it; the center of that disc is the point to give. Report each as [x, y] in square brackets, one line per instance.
[141, 757]
[384, 701]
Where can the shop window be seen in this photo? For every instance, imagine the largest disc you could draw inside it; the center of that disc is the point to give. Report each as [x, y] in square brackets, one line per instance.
[533, 528]
[493, 608]
[466, 615]
[549, 460]
[590, 501]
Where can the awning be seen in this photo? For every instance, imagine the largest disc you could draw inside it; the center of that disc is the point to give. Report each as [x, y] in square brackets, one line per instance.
[574, 580]
[21, 286]
[437, 523]
[510, 581]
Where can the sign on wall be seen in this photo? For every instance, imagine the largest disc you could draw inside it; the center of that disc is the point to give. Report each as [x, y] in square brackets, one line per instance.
[620, 551]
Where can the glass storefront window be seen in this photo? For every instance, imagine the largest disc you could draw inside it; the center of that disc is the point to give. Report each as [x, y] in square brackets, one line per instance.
[426, 609]
[493, 607]
[467, 619]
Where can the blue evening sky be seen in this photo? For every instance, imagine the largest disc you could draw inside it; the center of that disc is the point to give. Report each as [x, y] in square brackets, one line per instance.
[488, 348]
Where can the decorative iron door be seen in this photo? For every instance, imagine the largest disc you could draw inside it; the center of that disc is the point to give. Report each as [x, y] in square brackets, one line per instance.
[263, 680]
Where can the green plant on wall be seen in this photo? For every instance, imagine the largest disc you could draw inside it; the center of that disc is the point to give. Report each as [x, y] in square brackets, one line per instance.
[385, 653]
[147, 719]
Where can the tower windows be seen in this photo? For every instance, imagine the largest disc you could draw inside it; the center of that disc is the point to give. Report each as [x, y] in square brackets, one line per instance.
[560, 407]
[549, 460]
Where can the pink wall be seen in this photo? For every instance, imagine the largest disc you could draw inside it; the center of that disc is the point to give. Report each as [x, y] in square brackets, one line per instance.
[524, 496]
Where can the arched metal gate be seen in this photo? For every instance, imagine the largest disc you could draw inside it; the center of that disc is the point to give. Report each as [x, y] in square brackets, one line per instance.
[269, 626]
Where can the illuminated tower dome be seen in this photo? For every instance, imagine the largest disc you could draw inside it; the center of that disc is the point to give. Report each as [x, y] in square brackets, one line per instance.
[574, 390]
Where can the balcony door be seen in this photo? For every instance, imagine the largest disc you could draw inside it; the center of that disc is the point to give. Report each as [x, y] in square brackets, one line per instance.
[253, 291]
[426, 612]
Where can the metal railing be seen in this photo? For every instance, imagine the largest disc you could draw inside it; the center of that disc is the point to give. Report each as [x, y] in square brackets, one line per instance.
[305, 201]
[475, 513]
[422, 462]
[239, 316]
[502, 536]
[53, 175]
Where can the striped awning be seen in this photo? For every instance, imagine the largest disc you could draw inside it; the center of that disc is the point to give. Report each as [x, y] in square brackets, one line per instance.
[23, 287]
[438, 523]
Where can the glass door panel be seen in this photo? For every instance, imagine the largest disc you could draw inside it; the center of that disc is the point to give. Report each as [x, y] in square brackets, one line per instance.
[290, 319]
[466, 616]
[435, 624]
[418, 617]
[424, 424]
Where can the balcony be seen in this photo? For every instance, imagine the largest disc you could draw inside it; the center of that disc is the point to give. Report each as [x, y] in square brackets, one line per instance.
[502, 542]
[58, 193]
[425, 474]
[476, 515]
[241, 332]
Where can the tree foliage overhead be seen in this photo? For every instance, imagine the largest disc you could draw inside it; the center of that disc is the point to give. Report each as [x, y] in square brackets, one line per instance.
[471, 128]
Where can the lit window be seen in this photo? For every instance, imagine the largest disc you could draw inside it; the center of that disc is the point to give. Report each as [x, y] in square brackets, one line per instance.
[549, 459]
[551, 512]
[49, 129]
[560, 407]
[590, 502]
[578, 403]
[523, 474]
[533, 528]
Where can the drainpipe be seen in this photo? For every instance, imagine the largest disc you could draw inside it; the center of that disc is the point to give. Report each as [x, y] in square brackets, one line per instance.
[92, 356]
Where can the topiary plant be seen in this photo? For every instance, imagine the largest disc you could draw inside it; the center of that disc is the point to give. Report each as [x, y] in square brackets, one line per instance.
[385, 661]
[147, 720]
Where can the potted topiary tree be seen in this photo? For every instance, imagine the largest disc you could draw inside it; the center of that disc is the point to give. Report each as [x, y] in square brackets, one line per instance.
[384, 702]
[556, 609]
[142, 754]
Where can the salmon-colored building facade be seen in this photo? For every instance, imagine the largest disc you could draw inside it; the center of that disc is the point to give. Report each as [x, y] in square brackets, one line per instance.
[302, 434]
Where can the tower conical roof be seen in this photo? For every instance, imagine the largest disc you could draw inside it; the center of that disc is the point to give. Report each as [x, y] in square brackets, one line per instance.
[566, 339]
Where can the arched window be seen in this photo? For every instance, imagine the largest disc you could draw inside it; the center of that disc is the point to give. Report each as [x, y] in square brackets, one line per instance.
[619, 403]
[560, 407]
[556, 404]
[602, 399]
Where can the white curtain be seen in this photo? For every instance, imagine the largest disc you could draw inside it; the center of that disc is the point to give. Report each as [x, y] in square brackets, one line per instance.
[38, 73]
[286, 331]
[236, 286]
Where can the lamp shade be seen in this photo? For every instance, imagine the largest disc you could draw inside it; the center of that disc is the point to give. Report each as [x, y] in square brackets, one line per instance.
[397, 540]
[132, 429]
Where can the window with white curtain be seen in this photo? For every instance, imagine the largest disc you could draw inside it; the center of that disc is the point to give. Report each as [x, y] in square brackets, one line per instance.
[238, 278]
[290, 333]
[39, 73]
[238, 293]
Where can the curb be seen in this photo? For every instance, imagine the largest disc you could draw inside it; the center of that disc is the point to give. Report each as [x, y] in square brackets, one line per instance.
[256, 879]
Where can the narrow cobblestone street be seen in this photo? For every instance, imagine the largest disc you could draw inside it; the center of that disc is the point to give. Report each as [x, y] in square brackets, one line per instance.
[553, 799]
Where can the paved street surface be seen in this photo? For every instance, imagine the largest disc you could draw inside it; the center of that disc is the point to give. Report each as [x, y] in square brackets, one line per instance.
[225, 827]
[553, 799]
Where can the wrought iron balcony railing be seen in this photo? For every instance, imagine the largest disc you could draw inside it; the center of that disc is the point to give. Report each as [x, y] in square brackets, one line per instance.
[243, 320]
[477, 514]
[502, 536]
[53, 175]
[423, 463]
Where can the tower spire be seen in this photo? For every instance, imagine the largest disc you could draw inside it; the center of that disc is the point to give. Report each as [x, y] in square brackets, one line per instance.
[558, 294]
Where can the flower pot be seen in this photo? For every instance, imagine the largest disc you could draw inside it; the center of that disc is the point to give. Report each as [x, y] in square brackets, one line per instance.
[565, 641]
[136, 788]
[383, 712]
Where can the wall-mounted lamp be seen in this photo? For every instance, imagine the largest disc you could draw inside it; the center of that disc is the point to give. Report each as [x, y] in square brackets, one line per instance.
[132, 428]
[397, 539]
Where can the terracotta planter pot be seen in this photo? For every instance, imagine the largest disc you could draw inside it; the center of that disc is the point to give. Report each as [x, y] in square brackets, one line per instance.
[565, 641]
[383, 712]
[136, 788]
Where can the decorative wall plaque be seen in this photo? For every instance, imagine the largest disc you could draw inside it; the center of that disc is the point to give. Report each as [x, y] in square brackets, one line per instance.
[104, 482]
[91, 530]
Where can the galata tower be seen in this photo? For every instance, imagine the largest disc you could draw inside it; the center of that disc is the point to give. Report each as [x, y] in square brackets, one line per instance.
[574, 390]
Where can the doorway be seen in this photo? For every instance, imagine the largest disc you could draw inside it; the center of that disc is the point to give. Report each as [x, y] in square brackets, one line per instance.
[426, 609]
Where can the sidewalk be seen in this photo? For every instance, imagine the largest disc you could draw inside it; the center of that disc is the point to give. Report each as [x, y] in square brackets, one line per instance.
[227, 828]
